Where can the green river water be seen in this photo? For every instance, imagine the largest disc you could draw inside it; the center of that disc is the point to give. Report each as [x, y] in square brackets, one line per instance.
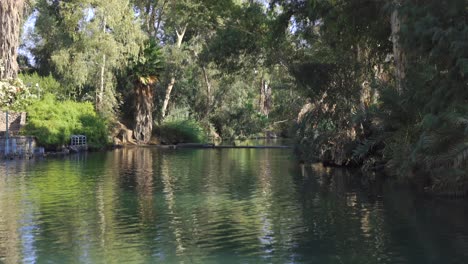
[149, 205]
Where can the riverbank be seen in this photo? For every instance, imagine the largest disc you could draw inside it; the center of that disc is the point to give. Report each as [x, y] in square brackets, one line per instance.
[22, 147]
[369, 157]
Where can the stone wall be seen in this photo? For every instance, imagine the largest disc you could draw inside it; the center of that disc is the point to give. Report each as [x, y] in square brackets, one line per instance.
[16, 122]
[18, 146]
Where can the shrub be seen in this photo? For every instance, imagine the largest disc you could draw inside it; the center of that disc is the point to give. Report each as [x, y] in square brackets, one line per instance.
[19, 93]
[39, 85]
[181, 131]
[53, 122]
[14, 95]
[239, 122]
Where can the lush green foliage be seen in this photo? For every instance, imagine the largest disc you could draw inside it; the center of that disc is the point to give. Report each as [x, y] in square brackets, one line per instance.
[85, 44]
[181, 131]
[40, 85]
[435, 38]
[53, 122]
[89, 42]
[148, 65]
[359, 112]
[380, 84]
[239, 122]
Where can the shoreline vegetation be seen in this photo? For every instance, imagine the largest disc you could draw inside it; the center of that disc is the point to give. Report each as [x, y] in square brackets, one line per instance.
[378, 85]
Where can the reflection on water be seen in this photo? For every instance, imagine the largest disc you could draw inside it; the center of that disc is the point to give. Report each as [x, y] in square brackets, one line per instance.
[145, 205]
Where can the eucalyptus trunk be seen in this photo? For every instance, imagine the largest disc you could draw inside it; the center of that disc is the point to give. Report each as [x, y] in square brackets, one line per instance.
[209, 101]
[11, 14]
[265, 97]
[168, 96]
[144, 113]
[100, 97]
[180, 36]
[398, 51]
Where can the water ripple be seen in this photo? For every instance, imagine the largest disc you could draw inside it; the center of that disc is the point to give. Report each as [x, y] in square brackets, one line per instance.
[143, 205]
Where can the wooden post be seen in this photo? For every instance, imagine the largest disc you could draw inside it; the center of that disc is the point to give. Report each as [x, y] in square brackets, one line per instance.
[7, 143]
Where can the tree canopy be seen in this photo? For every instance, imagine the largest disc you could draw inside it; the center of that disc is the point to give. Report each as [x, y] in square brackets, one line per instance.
[376, 84]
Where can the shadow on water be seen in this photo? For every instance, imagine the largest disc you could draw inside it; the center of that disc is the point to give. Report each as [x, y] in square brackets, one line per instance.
[380, 222]
[145, 205]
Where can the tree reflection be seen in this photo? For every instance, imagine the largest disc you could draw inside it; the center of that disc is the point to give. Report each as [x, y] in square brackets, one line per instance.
[149, 205]
[9, 216]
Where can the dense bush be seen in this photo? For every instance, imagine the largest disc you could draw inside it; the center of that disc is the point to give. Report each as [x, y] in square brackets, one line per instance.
[181, 131]
[39, 85]
[53, 122]
[240, 122]
[283, 117]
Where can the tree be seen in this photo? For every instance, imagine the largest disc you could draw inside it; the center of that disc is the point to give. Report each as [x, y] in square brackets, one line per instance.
[180, 17]
[88, 42]
[431, 109]
[152, 13]
[240, 45]
[392, 73]
[11, 14]
[184, 21]
[145, 74]
[339, 50]
[398, 51]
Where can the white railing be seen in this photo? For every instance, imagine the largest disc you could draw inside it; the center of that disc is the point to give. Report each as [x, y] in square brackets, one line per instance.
[78, 140]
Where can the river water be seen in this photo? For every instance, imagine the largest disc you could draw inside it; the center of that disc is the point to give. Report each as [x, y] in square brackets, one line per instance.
[148, 205]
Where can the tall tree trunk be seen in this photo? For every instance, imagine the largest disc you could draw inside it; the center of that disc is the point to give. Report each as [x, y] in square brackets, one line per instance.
[143, 114]
[11, 14]
[180, 36]
[149, 18]
[167, 97]
[100, 97]
[398, 51]
[160, 15]
[265, 97]
[100, 94]
[153, 13]
[208, 92]
[362, 55]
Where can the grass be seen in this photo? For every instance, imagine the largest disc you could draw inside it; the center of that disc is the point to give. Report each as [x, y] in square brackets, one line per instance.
[181, 131]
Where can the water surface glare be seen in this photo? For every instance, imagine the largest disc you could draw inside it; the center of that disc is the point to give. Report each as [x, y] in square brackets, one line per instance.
[148, 205]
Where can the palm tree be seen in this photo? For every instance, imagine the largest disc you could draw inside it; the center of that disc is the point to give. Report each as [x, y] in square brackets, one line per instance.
[11, 14]
[145, 73]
